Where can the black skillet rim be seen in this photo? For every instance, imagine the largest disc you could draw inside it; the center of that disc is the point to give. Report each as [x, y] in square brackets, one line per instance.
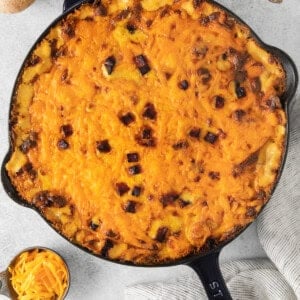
[286, 99]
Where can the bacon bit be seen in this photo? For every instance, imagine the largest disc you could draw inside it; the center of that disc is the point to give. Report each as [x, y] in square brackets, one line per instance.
[103, 146]
[145, 137]
[183, 203]
[149, 111]
[168, 75]
[28, 167]
[136, 191]
[130, 206]
[147, 142]
[62, 144]
[240, 91]
[183, 85]
[122, 188]
[47, 199]
[211, 137]
[141, 63]
[214, 175]
[66, 130]
[146, 133]
[131, 28]
[195, 132]
[29, 143]
[204, 75]
[169, 198]
[109, 64]
[238, 115]
[219, 101]
[134, 170]
[127, 119]
[181, 145]
[133, 157]
[161, 234]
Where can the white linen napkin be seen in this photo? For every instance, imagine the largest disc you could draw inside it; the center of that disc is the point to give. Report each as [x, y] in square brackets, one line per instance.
[278, 228]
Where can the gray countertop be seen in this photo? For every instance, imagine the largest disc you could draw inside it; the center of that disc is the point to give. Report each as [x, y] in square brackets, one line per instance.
[92, 278]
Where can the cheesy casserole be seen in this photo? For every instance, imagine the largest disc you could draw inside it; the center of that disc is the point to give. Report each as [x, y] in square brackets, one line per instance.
[147, 131]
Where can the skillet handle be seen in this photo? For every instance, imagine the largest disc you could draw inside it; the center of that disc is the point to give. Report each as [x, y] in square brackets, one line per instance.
[4, 290]
[70, 3]
[208, 270]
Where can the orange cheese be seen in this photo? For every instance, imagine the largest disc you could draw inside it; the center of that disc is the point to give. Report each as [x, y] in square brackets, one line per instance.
[185, 87]
[39, 274]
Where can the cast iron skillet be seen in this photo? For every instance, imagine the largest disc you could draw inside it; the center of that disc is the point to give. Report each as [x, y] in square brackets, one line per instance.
[206, 265]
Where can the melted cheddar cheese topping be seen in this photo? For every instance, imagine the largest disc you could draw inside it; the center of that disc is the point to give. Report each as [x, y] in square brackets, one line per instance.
[146, 131]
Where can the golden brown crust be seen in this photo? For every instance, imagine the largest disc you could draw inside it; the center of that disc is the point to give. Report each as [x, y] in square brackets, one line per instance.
[147, 133]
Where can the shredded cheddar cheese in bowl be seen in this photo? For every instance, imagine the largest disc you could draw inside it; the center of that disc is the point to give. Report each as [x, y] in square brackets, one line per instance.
[39, 274]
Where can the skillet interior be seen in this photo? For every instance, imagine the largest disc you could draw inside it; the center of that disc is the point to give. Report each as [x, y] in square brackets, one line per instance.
[286, 98]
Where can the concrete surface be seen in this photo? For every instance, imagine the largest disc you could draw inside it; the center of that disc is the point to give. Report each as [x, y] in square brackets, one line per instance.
[92, 278]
